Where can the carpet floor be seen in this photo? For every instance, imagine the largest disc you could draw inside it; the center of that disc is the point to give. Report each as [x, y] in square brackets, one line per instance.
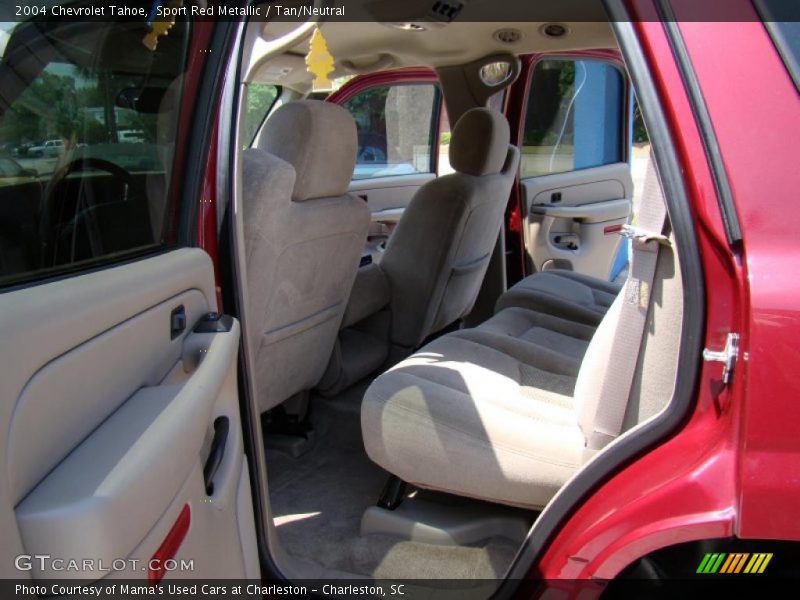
[318, 500]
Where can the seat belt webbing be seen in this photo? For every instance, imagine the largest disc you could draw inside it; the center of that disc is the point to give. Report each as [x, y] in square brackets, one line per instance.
[647, 239]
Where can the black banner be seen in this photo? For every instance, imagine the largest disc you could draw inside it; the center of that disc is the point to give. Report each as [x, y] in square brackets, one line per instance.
[444, 589]
[432, 12]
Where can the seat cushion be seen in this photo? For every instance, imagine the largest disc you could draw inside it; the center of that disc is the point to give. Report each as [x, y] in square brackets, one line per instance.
[460, 416]
[564, 294]
[532, 337]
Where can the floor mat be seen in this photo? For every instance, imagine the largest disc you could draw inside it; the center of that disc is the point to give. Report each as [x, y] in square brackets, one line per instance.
[319, 498]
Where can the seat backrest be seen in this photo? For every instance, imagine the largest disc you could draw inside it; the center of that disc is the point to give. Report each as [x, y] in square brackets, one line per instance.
[304, 235]
[437, 256]
[657, 361]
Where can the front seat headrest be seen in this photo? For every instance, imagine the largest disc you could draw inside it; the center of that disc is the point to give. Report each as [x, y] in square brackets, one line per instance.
[479, 144]
[319, 140]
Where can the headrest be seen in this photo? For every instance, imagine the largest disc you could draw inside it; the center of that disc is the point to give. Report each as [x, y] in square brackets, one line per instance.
[319, 140]
[479, 144]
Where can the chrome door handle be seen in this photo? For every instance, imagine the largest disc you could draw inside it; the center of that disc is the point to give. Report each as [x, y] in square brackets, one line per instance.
[727, 356]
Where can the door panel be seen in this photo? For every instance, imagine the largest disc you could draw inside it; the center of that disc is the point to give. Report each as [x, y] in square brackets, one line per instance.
[389, 193]
[387, 198]
[574, 218]
[575, 181]
[108, 411]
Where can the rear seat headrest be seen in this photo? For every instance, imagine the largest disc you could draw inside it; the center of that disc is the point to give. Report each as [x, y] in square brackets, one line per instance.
[319, 140]
[479, 144]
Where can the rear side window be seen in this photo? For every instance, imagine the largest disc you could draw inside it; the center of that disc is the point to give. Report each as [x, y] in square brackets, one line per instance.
[574, 118]
[88, 121]
[261, 97]
[396, 126]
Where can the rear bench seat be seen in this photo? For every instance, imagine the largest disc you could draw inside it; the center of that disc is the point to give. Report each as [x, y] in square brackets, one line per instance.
[503, 412]
[563, 293]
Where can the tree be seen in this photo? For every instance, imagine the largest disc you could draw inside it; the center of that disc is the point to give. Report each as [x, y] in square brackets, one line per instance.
[48, 108]
[260, 98]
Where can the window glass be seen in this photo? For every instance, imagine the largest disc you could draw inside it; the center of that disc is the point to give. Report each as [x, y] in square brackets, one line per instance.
[88, 118]
[261, 98]
[395, 129]
[573, 118]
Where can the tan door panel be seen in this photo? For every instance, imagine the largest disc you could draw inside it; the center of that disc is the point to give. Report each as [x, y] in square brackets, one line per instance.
[109, 407]
[387, 198]
[573, 219]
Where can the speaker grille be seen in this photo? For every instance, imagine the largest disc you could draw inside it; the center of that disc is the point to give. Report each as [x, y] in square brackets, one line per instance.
[507, 36]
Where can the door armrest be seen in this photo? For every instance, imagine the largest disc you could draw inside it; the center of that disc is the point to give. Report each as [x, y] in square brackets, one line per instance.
[118, 482]
[588, 213]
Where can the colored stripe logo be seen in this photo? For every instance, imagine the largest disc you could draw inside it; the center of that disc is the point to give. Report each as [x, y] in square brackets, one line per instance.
[737, 562]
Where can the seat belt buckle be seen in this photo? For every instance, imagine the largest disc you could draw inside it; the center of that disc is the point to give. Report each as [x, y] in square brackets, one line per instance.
[643, 236]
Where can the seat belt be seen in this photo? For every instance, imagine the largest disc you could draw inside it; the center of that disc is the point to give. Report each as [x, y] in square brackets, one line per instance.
[647, 240]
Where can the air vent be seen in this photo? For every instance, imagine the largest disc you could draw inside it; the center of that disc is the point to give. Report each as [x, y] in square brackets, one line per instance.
[445, 10]
[507, 36]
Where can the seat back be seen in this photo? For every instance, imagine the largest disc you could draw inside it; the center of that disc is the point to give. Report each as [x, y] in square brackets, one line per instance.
[303, 239]
[437, 256]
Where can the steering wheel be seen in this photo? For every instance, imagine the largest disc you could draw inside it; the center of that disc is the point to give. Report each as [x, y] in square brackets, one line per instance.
[54, 206]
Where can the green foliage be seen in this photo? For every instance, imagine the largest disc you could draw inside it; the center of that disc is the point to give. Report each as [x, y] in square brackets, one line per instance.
[57, 106]
[639, 132]
[549, 106]
[46, 109]
[368, 107]
[260, 98]
[93, 132]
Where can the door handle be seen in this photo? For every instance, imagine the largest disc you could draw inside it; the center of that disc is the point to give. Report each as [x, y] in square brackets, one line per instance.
[177, 322]
[214, 460]
[570, 241]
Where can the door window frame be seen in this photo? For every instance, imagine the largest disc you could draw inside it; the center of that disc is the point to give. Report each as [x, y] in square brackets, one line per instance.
[516, 105]
[525, 79]
[207, 54]
[405, 76]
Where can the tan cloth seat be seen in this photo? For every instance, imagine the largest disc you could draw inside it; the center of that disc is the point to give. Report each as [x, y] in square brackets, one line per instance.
[502, 412]
[562, 293]
[438, 254]
[527, 334]
[436, 258]
[303, 237]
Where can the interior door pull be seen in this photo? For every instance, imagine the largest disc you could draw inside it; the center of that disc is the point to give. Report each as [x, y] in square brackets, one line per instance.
[177, 322]
[214, 460]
